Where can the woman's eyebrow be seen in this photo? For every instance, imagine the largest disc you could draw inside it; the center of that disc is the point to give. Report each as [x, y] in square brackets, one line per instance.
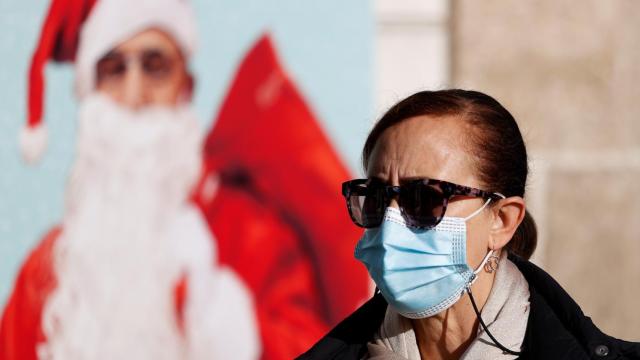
[412, 178]
[376, 178]
[406, 179]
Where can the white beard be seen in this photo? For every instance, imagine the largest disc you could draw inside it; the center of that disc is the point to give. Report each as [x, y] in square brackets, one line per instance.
[115, 264]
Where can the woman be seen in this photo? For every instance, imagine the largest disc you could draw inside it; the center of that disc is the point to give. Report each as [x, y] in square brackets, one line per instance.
[447, 235]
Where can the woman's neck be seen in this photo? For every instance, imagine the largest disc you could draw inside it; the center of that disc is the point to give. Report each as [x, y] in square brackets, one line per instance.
[447, 335]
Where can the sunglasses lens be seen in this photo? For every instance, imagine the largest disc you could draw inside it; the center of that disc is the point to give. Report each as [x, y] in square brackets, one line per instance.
[423, 205]
[366, 205]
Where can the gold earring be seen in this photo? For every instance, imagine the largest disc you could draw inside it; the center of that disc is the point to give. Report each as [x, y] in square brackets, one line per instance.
[492, 264]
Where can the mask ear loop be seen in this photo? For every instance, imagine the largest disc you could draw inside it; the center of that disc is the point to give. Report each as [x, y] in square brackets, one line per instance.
[484, 261]
[478, 211]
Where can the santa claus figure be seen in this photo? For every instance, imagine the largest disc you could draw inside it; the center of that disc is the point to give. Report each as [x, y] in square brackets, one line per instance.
[134, 263]
[165, 251]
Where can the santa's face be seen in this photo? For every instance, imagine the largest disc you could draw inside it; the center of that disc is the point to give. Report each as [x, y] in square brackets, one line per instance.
[147, 69]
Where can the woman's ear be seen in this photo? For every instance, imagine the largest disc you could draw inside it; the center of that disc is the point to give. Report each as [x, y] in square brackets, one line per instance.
[507, 215]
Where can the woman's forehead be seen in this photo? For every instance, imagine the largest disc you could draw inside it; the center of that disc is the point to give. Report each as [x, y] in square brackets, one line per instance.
[424, 146]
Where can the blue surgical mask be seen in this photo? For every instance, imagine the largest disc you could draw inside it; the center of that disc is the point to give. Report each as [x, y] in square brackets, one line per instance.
[420, 272]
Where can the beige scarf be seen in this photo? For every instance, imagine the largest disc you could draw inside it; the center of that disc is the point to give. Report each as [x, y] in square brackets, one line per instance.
[506, 313]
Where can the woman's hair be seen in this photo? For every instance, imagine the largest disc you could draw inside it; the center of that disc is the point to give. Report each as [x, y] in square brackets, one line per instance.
[495, 139]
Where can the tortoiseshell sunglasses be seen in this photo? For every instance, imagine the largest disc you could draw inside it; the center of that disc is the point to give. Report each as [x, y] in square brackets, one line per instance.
[422, 202]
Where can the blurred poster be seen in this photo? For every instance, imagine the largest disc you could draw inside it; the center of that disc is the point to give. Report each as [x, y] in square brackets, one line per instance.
[177, 241]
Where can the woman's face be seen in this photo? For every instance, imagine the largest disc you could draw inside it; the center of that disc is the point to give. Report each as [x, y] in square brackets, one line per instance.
[436, 148]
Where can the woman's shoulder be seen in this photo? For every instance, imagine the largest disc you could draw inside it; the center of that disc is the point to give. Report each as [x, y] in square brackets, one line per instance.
[557, 326]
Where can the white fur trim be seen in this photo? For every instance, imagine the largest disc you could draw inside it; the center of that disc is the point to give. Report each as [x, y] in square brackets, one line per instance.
[221, 321]
[114, 21]
[221, 318]
[193, 242]
[33, 142]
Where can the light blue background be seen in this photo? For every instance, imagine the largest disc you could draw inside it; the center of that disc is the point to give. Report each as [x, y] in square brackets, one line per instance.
[326, 46]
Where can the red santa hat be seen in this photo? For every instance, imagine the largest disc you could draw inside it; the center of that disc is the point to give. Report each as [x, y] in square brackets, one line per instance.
[82, 31]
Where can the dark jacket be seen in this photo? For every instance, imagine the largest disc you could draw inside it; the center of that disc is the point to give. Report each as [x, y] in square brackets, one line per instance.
[557, 327]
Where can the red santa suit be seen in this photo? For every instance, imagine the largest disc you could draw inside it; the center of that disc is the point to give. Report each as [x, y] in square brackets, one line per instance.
[269, 193]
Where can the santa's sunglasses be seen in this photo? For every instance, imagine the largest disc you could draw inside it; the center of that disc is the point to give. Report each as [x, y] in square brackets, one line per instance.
[422, 202]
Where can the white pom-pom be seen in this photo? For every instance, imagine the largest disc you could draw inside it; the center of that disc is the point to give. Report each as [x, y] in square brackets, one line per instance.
[33, 142]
